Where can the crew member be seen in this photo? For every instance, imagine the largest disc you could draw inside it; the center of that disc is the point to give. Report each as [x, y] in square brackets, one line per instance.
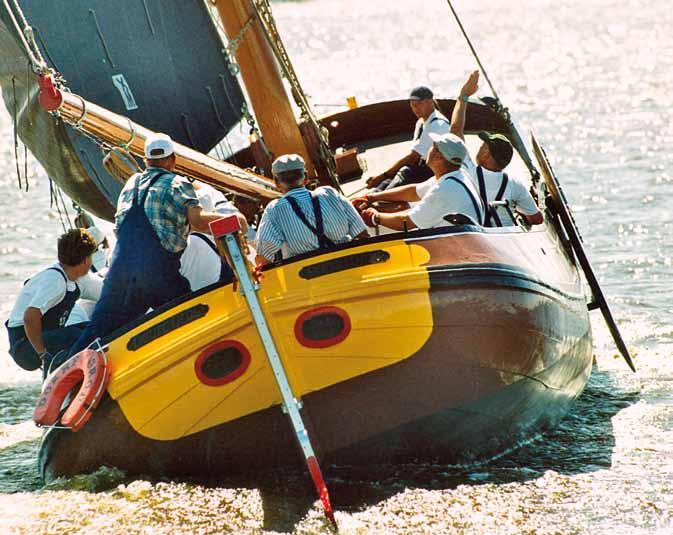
[302, 220]
[413, 169]
[36, 325]
[155, 211]
[493, 156]
[447, 198]
[201, 262]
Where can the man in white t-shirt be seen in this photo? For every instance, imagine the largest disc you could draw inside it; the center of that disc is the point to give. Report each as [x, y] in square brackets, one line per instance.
[446, 198]
[201, 263]
[493, 156]
[413, 169]
[37, 324]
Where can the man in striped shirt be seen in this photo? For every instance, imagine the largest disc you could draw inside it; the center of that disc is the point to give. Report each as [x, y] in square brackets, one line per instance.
[301, 220]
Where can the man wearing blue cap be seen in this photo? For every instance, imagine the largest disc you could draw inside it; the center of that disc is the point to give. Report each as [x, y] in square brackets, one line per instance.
[301, 220]
[413, 169]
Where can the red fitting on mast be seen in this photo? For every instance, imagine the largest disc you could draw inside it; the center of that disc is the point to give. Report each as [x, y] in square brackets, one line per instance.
[50, 96]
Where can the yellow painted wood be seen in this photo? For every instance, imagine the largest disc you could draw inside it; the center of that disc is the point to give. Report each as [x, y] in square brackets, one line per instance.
[391, 319]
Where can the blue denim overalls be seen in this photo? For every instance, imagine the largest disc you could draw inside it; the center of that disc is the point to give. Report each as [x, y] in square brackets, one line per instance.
[142, 274]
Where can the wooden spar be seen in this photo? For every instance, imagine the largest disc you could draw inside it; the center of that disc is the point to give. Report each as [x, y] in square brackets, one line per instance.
[117, 130]
[263, 81]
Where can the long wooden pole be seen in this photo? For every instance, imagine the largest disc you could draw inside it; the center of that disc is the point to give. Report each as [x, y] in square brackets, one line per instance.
[119, 130]
[263, 81]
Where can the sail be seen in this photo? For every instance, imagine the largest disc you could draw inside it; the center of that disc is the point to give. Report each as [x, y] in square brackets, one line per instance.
[159, 62]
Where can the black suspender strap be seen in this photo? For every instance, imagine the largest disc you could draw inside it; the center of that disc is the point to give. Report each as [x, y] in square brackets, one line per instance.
[319, 229]
[65, 278]
[474, 200]
[501, 193]
[153, 180]
[207, 242]
[484, 197]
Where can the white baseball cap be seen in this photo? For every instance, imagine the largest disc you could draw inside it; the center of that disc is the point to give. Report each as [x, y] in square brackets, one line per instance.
[287, 162]
[158, 146]
[97, 234]
[450, 146]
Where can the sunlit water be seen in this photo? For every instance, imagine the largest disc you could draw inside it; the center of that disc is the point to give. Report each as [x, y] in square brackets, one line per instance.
[593, 78]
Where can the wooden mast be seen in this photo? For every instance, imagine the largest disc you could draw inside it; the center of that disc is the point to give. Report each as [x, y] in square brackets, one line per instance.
[263, 81]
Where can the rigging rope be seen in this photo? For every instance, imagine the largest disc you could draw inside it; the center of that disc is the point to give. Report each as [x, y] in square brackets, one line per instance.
[498, 107]
[27, 36]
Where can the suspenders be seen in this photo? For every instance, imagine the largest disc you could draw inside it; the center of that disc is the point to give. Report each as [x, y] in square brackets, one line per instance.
[420, 130]
[319, 229]
[474, 200]
[492, 212]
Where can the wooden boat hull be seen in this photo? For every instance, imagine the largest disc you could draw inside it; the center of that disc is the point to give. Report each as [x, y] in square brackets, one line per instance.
[508, 349]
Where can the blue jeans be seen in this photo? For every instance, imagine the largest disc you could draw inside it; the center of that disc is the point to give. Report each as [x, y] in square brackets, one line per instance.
[55, 340]
[405, 176]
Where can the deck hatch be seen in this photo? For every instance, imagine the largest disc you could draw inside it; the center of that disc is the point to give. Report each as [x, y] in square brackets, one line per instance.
[343, 263]
[166, 326]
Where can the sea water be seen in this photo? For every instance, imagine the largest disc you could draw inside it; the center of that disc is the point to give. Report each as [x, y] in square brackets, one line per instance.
[593, 79]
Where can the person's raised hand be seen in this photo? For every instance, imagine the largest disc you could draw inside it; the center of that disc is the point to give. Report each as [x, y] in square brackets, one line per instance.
[471, 85]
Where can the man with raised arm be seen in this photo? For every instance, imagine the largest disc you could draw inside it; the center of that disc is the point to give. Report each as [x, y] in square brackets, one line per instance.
[155, 212]
[493, 156]
[413, 169]
[448, 196]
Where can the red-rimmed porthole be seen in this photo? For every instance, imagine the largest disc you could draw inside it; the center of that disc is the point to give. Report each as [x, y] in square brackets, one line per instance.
[222, 363]
[322, 327]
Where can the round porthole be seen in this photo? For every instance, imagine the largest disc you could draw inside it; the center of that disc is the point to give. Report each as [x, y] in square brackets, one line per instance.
[322, 327]
[222, 363]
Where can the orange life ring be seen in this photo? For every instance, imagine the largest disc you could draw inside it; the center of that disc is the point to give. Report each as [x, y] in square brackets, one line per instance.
[87, 367]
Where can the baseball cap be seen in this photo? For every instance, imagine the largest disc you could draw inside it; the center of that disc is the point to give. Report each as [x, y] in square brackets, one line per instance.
[287, 162]
[420, 93]
[450, 146]
[500, 147]
[158, 146]
[97, 234]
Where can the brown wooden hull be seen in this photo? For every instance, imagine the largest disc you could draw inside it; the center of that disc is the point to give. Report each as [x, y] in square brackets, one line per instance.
[509, 351]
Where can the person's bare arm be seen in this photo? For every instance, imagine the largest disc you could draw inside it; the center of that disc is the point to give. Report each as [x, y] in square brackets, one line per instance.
[534, 219]
[32, 323]
[458, 116]
[398, 221]
[410, 159]
[199, 220]
[399, 194]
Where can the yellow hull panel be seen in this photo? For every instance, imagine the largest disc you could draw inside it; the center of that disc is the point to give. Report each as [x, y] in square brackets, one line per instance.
[388, 306]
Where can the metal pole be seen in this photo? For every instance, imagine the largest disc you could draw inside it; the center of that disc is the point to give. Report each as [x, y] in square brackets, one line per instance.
[226, 232]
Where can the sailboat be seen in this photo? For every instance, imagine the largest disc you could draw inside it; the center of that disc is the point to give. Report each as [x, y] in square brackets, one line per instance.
[452, 344]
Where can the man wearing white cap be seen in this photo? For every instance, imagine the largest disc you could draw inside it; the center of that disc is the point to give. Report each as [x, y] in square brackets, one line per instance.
[413, 168]
[155, 212]
[449, 196]
[301, 220]
[201, 262]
